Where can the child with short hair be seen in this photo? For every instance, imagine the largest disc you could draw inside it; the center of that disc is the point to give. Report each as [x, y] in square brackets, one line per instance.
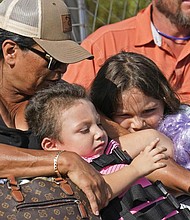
[63, 118]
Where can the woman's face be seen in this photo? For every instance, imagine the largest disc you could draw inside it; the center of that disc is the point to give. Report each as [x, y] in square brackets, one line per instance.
[136, 111]
[31, 72]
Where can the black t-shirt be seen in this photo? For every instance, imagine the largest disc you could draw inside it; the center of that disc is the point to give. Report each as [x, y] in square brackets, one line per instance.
[17, 138]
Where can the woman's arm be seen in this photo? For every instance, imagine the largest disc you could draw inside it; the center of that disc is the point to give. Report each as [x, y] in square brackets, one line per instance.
[175, 177]
[30, 163]
[112, 128]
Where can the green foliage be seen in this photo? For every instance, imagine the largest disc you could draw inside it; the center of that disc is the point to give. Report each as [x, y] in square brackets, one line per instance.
[101, 12]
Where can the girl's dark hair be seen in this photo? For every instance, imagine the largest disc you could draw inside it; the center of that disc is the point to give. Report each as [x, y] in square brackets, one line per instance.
[127, 70]
[21, 41]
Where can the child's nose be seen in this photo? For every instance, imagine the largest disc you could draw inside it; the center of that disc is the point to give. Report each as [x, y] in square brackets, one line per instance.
[138, 123]
[98, 133]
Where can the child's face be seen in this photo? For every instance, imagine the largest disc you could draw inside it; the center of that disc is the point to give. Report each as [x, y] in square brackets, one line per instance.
[82, 131]
[137, 111]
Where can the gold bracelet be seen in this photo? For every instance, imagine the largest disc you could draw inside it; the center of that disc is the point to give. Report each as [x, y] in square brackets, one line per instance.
[55, 163]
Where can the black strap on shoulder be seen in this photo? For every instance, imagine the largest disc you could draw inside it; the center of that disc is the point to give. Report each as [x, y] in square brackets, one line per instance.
[138, 194]
[184, 214]
[158, 210]
[116, 157]
[115, 209]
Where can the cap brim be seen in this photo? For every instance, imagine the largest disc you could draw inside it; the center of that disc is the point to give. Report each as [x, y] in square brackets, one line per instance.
[66, 51]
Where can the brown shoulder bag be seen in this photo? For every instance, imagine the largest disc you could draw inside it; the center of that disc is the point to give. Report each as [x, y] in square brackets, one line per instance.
[43, 198]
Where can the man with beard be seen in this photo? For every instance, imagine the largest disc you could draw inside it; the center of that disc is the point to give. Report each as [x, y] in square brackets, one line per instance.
[161, 32]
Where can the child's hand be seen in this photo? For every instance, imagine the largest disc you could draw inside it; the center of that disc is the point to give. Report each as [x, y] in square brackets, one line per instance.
[149, 159]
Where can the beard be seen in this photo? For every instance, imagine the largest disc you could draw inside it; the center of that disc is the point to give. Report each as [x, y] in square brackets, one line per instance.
[174, 13]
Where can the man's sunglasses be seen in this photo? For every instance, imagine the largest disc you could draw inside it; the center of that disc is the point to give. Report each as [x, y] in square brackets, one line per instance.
[52, 63]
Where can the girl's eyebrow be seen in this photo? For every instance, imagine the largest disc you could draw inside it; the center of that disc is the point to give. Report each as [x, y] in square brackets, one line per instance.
[152, 104]
[121, 113]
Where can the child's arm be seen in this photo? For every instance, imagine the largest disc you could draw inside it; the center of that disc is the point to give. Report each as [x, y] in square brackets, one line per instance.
[146, 162]
[136, 142]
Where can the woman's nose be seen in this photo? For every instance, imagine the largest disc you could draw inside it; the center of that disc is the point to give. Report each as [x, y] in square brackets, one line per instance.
[63, 67]
[137, 124]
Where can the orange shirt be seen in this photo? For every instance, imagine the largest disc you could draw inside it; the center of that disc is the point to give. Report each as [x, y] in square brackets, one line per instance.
[133, 35]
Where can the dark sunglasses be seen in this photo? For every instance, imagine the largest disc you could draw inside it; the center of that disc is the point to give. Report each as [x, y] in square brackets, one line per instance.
[52, 63]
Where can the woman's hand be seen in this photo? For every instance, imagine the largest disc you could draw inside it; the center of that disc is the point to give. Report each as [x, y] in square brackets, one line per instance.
[32, 163]
[87, 178]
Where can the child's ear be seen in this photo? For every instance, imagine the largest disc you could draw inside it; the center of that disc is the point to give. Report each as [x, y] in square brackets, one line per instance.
[49, 144]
